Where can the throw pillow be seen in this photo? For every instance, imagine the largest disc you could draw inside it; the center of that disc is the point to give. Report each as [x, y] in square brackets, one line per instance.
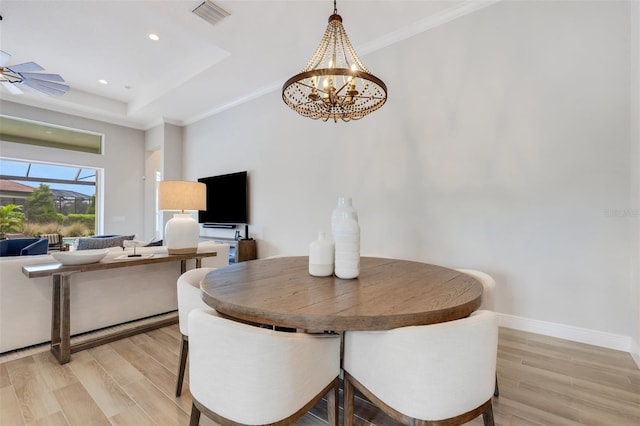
[92, 243]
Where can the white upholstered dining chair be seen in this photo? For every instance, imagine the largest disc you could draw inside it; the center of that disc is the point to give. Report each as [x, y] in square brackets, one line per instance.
[430, 374]
[188, 298]
[243, 374]
[488, 290]
[488, 287]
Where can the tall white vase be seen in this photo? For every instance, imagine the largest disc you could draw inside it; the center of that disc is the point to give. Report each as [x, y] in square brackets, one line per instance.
[343, 208]
[346, 236]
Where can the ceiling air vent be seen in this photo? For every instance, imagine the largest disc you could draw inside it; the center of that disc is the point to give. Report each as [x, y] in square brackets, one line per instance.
[210, 12]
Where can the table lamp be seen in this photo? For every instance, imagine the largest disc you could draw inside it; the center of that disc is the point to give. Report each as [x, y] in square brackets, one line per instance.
[182, 232]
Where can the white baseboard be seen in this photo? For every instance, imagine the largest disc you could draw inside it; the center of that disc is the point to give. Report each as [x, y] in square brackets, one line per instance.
[635, 353]
[575, 334]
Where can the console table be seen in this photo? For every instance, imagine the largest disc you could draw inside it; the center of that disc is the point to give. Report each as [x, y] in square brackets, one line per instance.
[61, 346]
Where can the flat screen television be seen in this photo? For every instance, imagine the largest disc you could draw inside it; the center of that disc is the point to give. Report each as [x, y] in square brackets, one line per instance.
[227, 199]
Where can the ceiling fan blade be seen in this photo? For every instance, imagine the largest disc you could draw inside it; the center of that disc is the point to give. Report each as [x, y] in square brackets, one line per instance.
[47, 87]
[4, 58]
[50, 84]
[12, 88]
[27, 66]
[41, 76]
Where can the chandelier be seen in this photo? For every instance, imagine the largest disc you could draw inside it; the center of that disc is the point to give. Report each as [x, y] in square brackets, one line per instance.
[334, 84]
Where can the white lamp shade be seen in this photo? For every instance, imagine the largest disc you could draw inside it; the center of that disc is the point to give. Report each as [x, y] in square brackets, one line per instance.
[182, 232]
[182, 195]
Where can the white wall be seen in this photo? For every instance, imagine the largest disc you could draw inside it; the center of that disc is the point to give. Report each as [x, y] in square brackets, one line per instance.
[172, 164]
[122, 162]
[635, 164]
[164, 155]
[504, 146]
[152, 165]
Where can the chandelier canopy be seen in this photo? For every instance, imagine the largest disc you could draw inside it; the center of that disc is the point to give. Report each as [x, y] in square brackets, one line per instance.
[334, 84]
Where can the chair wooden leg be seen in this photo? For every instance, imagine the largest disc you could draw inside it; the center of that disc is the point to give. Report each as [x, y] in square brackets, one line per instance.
[487, 416]
[195, 416]
[349, 395]
[496, 391]
[333, 408]
[184, 351]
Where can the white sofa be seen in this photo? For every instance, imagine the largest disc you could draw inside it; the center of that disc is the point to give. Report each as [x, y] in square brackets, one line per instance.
[98, 299]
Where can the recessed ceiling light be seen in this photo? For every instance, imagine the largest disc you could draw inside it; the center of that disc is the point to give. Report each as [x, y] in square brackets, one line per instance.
[154, 37]
[101, 81]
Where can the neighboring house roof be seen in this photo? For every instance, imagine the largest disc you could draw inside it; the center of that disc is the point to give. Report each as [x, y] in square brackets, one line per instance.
[15, 188]
[11, 186]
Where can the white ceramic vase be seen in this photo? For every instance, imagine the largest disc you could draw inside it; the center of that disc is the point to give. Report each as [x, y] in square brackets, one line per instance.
[346, 236]
[344, 208]
[321, 253]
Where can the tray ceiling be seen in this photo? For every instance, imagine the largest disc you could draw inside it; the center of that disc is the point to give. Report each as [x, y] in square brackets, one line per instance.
[196, 68]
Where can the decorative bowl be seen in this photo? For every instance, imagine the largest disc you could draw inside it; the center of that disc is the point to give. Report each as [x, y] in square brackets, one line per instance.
[79, 257]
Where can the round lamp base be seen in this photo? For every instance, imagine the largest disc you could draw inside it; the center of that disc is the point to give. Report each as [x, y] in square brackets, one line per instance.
[183, 250]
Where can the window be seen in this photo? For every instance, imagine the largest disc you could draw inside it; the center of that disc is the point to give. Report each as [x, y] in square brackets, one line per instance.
[73, 189]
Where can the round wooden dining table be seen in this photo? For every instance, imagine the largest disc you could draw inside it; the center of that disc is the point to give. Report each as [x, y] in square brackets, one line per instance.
[388, 293]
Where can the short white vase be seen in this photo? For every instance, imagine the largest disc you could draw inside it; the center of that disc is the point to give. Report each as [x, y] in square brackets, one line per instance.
[321, 253]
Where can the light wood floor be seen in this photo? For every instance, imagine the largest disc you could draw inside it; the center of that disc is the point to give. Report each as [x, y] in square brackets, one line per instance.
[543, 381]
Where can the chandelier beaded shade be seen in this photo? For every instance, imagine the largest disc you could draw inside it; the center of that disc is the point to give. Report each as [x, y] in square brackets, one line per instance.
[334, 84]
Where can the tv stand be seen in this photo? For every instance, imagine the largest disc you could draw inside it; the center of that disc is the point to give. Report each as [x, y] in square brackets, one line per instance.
[239, 250]
[244, 250]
